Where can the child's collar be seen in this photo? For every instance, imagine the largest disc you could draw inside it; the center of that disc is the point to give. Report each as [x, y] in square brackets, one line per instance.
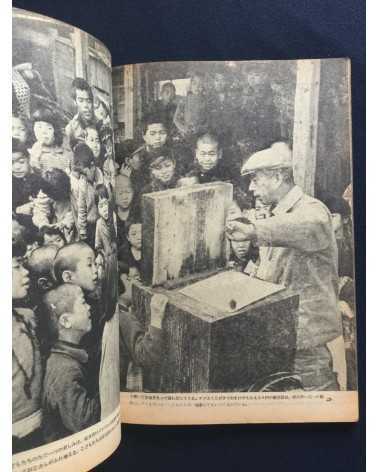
[73, 350]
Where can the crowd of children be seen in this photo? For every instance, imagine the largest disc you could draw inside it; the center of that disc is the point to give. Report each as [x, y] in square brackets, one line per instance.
[65, 290]
[76, 211]
[184, 143]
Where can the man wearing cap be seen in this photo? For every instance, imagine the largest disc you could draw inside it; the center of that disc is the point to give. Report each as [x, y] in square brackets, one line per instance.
[298, 250]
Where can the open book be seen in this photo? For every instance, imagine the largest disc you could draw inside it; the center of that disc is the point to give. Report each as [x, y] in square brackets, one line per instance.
[182, 244]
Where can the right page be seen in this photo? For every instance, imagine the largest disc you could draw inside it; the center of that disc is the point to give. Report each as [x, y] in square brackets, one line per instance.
[235, 242]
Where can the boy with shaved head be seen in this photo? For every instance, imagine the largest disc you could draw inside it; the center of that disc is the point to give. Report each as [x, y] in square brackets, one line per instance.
[69, 403]
[209, 164]
[75, 263]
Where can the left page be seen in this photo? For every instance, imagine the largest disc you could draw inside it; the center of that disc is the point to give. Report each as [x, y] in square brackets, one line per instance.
[65, 361]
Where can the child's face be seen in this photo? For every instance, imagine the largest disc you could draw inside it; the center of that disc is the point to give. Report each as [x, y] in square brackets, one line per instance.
[20, 279]
[85, 275]
[103, 208]
[261, 211]
[81, 316]
[207, 155]
[19, 130]
[240, 248]
[84, 104]
[44, 133]
[164, 171]
[53, 239]
[196, 85]
[100, 112]
[92, 140]
[20, 165]
[124, 193]
[155, 135]
[135, 236]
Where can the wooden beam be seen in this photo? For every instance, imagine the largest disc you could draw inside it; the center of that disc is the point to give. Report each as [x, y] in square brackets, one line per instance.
[306, 123]
[128, 81]
[80, 42]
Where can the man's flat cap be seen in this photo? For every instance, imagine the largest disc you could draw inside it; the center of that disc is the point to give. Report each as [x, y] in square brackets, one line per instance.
[278, 156]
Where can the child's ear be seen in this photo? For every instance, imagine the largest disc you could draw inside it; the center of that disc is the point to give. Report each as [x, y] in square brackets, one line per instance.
[65, 321]
[44, 284]
[66, 276]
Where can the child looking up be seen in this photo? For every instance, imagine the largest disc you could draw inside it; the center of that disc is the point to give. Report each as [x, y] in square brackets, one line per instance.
[40, 266]
[26, 361]
[76, 264]
[69, 403]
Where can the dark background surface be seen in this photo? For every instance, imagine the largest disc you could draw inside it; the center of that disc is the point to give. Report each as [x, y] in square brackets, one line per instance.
[157, 30]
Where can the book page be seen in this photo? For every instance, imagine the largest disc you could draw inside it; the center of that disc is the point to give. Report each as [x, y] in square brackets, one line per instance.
[236, 260]
[65, 320]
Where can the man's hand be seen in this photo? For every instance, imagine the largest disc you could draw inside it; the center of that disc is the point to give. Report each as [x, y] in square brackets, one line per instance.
[158, 306]
[240, 231]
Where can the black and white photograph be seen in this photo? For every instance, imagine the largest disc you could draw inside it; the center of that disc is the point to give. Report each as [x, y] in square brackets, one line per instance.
[65, 372]
[233, 205]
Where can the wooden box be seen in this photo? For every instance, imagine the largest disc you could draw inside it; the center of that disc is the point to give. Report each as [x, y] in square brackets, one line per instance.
[206, 350]
[183, 231]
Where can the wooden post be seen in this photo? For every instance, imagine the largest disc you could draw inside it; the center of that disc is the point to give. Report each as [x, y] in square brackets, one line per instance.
[80, 41]
[128, 81]
[306, 123]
